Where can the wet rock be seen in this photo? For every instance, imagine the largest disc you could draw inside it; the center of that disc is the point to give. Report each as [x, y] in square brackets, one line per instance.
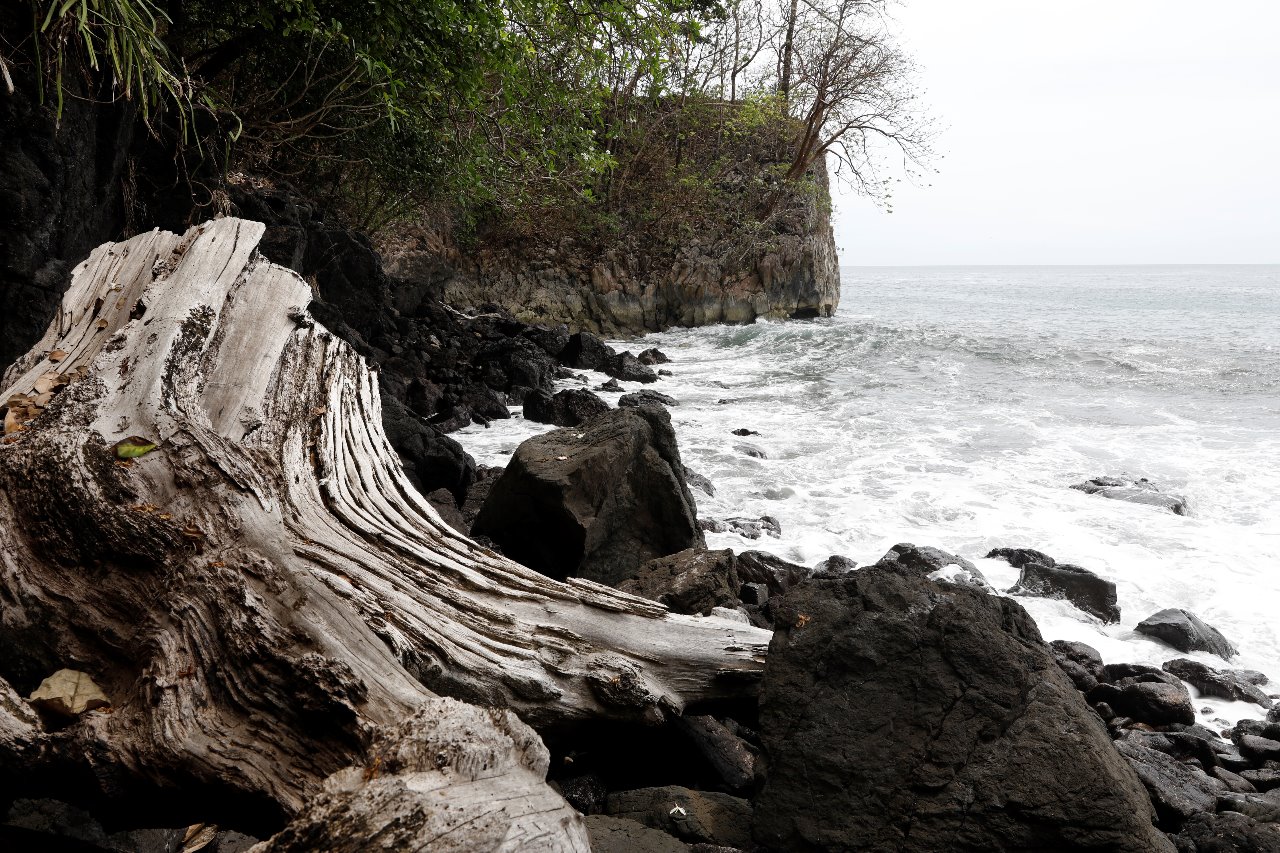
[612, 385]
[692, 582]
[571, 407]
[1234, 684]
[595, 502]
[703, 817]
[1075, 584]
[1019, 557]
[750, 528]
[431, 459]
[1262, 780]
[775, 572]
[1186, 632]
[1262, 807]
[1179, 791]
[553, 340]
[1234, 781]
[1141, 491]
[647, 398]
[628, 368]
[442, 501]
[652, 356]
[751, 450]
[1228, 832]
[937, 564]
[1258, 748]
[1126, 673]
[699, 482]
[1081, 663]
[743, 431]
[836, 563]
[69, 693]
[900, 714]
[1148, 702]
[618, 835]
[665, 373]
[585, 351]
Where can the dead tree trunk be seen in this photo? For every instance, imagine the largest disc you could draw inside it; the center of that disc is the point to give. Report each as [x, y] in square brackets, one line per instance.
[264, 592]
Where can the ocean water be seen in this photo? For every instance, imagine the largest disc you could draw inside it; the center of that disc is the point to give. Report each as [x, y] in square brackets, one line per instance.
[954, 406]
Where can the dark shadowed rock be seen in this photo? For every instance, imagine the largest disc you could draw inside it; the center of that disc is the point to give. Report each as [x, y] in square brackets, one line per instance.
[431, 459]
[653, 356]
[1263, 780]
[586, 351]
[1075, 584]
[751, 450]
[443, 502]
[1018, 557]
[1258, 748]
[1140, 491]
[1228, 832]
[570, 407]
[551, 340]
[1261, 807]
[612, 385]
[725, 751]
[900, 714]
[647, 398]
[618, 835]
[692, 581]
[1148, 702]
[1179, 791]
[936, 563]
[699, 482]
[775, 572]
[1081, 663]
[596, 501]
[1234, 684]
[585, 793]
[1186, 632]
[628, 368]
[836, 563]
[692, 816]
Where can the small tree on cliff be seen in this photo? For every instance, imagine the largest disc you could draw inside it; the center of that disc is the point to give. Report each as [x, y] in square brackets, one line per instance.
[852, 89]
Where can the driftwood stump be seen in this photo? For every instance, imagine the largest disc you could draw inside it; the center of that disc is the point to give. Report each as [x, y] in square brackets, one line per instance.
[263, 597]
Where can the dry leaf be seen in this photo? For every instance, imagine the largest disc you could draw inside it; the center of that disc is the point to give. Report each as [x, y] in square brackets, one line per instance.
[46, 382]
[198, 837]
[44, 399]
[102, 324]
[57, 355]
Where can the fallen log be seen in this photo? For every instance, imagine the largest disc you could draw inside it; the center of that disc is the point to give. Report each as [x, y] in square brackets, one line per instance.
[199, 509]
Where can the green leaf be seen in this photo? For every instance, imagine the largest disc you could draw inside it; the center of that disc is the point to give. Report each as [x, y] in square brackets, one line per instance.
[133, 447]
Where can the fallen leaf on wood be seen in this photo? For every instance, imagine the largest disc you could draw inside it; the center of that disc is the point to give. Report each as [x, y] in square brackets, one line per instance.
[133, 447]
[57, 355]
[198, 837]
[102, 324]
[70, 693]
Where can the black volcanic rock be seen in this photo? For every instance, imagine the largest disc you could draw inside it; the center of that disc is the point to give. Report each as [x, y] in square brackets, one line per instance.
[901, 714]
[570, 407]
[1186, 632]
[1090, 593]
[596, 501]
[1234, 684]
[1140, 491]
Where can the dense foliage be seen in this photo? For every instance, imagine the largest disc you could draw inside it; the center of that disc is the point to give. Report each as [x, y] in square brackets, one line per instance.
[494, 110]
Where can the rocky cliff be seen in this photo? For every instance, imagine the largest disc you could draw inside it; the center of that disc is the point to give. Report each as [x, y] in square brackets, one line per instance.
[783, 267]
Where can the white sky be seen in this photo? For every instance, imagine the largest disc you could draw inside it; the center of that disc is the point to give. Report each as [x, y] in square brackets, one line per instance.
[1090, 132]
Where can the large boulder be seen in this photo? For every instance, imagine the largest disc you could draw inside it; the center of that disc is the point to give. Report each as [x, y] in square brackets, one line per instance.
[1042, 576]
[1149, 702]
[1228, 832]
[585, 350]
[570, 407]
[1186, 632]
[1179, 790]
[431, 459]
[937, 564]
[647, 398]
[1139, 491]
[1236, 684]
[594, 502]
[628, 368]
[695, 581]
[901, 714]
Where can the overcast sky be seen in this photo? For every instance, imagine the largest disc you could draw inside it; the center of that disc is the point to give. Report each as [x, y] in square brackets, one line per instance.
[1091, 132]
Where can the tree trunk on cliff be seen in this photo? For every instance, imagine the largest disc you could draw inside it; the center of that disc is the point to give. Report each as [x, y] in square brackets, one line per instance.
[264, 593]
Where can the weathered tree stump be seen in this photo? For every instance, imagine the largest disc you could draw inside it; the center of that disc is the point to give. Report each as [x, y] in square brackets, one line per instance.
[264, 592]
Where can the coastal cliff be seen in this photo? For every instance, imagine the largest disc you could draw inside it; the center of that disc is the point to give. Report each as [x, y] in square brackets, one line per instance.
[784, 267]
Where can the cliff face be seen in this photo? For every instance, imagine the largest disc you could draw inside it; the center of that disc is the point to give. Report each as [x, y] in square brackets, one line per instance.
[785, 268]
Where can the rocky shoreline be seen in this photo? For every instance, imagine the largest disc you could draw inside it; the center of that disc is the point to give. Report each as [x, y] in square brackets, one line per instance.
[903, 706]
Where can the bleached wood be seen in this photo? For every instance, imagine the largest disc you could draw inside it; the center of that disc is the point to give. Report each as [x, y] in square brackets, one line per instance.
[266, 589]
